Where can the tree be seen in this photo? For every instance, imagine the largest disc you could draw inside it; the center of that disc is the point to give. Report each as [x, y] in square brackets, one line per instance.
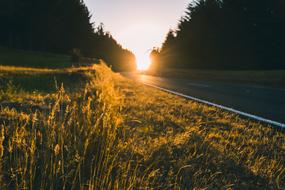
[228, 34]
[154, 57]
[59, 26]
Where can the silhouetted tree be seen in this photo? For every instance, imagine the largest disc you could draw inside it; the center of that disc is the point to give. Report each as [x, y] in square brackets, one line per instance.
[58, 26]
[228, 34]
[154, 57]
[105, 47]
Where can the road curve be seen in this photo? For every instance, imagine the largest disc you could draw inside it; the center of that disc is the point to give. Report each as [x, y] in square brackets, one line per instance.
[258, 100]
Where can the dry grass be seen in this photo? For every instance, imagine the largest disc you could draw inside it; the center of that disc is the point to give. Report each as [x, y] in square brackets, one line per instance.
[29, 70]
[195, 146]
[69, 142]
[39, 79]
[116, 134]
[22, 58]
[13, 69]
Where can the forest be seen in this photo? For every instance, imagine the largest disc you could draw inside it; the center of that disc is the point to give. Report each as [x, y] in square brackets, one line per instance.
[226, 34]
[59, 26]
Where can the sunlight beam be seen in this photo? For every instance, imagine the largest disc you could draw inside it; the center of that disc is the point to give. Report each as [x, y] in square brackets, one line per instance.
[143, 61]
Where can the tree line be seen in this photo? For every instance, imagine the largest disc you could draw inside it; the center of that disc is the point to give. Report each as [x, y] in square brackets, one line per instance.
[59, 26]
[226, 34]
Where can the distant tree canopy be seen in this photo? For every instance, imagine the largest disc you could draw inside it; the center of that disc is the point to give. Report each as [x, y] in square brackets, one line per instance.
[59, 26]
[227, 34]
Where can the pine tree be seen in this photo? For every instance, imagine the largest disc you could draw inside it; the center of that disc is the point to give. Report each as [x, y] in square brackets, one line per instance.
[228, 34]
[59, 26]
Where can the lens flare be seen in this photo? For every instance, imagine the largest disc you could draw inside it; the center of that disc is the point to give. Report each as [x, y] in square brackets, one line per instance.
[143, 61]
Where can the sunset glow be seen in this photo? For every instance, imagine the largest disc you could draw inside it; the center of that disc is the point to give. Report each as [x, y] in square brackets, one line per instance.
[140, 39]
[138, 25]
[143, 61]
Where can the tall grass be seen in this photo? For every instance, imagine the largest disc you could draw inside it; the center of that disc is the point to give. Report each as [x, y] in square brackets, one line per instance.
[72, 146]
[116, 134]
[195, 146]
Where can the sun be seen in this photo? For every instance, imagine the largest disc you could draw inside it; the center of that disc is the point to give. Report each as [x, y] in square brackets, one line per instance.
[143, 61]
[140, 38]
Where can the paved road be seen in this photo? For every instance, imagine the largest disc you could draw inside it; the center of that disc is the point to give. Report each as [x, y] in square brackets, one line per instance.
[263, 101]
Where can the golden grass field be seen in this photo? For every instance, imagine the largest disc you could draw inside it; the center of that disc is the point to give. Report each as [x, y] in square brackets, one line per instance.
[108, 132]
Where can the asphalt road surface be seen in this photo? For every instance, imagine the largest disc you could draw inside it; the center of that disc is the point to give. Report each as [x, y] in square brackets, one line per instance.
[262, 101]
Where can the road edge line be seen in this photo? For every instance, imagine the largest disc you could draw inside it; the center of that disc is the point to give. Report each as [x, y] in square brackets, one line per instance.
[251, 116]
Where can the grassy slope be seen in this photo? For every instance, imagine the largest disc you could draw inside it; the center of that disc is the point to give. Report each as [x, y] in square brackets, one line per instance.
[13, 57]
[197, 146]
[141, 138]
[274, 77]
[55, 140]
[40, 80]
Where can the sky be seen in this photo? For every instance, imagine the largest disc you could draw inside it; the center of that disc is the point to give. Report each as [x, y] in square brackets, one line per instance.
[138, 25]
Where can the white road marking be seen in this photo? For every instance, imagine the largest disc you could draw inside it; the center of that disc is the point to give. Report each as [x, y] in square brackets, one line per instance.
[198, 85]
[251, 116]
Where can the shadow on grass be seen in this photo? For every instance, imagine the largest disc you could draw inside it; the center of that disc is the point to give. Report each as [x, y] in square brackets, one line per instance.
[196, 164]
[46, 83]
